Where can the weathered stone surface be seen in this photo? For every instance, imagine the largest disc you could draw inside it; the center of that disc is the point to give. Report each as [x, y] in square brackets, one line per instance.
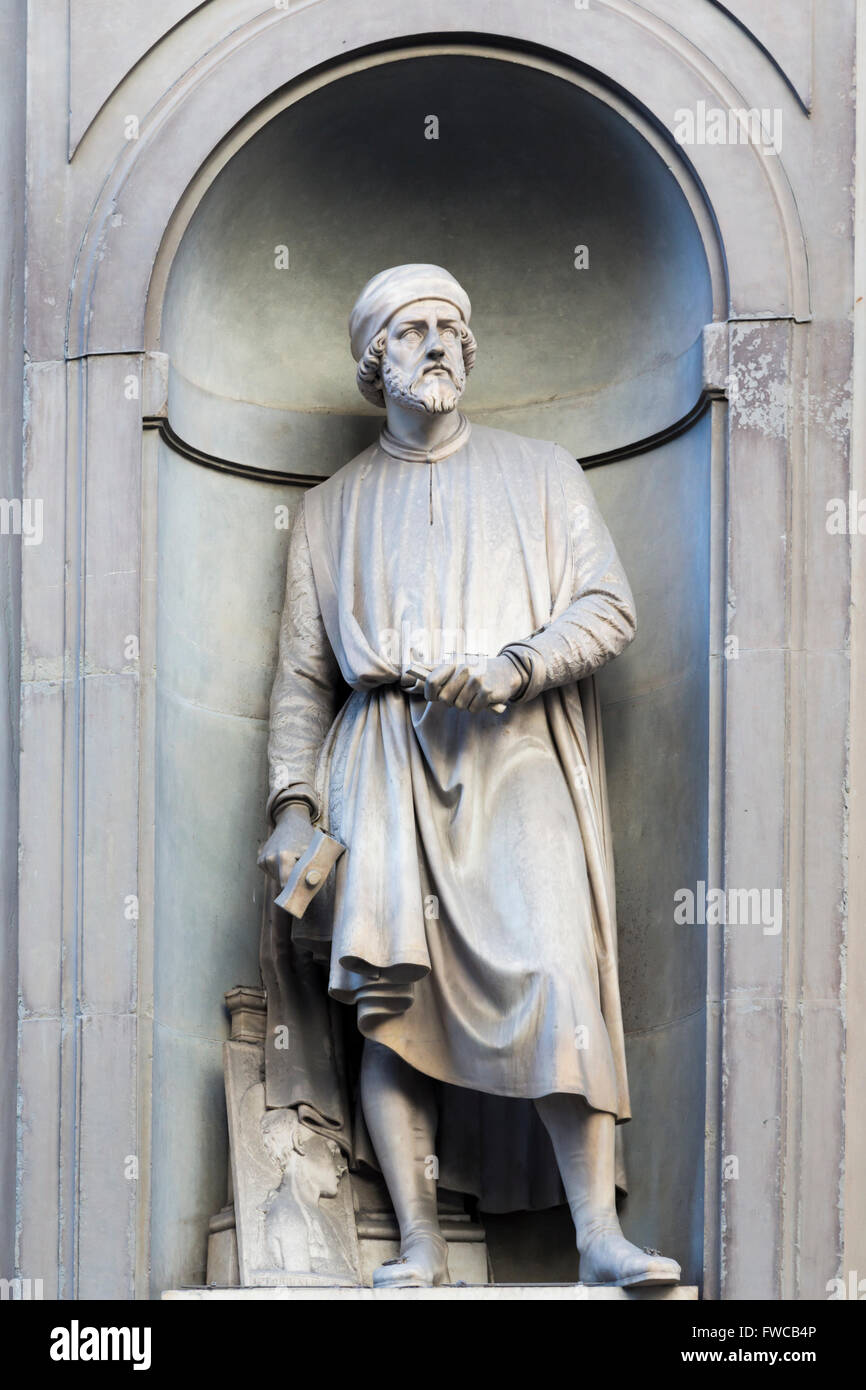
[106, 215]
[294, 1215]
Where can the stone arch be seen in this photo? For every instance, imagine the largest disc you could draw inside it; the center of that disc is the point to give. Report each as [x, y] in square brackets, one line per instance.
[758, 259]
[222, 99]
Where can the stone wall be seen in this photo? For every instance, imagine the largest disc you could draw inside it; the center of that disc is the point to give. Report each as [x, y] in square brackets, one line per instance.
[135, 124]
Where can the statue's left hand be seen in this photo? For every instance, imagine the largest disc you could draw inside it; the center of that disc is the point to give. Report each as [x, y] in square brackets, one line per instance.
[473, 686]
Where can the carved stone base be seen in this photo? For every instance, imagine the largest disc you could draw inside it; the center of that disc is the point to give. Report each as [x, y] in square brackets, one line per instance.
[498, 1293]
[467, 1261]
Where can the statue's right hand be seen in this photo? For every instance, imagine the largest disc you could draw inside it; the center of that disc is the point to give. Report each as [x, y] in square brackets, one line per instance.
[287, 842]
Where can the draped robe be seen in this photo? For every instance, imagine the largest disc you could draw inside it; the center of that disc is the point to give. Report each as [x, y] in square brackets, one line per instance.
[471, 922]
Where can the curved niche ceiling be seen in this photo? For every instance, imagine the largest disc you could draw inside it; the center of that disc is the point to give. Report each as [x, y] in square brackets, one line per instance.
[526, 168]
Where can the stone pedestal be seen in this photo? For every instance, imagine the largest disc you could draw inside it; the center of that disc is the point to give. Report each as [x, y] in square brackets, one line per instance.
[467, 1258]
[495, 1293]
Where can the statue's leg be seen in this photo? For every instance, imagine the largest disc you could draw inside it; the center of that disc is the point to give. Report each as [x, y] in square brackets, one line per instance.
[400, 1112]
[583, 1141]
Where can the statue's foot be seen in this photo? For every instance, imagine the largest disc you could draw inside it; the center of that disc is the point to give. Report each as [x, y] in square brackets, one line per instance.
[608, 1258]
[422, 1263]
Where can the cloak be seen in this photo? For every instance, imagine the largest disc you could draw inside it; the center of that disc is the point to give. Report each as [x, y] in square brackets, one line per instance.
[471, 924]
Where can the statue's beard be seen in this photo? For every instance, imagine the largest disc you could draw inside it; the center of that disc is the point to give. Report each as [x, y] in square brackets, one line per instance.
[437, 395]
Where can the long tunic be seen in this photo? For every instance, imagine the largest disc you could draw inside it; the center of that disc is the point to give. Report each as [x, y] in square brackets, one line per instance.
[472, 918]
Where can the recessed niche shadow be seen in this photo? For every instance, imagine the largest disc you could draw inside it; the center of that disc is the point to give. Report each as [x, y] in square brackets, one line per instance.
[527, 169]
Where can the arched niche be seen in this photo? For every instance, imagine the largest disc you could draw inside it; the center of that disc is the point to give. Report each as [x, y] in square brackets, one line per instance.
[527, 167]
[589, 280]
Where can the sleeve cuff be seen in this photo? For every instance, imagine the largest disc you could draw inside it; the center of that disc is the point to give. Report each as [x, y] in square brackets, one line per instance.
[531, 667]
[281, 797]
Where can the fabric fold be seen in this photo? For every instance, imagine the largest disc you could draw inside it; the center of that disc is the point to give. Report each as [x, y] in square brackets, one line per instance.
[472, 919]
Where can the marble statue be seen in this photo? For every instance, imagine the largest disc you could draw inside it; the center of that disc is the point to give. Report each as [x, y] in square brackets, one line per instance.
[449, 594]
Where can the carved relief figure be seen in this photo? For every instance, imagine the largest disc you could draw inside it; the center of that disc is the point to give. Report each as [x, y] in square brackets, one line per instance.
[299, 1235]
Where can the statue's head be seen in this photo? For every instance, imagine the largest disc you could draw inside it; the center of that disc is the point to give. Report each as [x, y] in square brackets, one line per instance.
[410, 336]
[312, 1157]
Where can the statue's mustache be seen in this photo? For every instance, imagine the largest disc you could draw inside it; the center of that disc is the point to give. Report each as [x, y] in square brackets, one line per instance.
[435, 367]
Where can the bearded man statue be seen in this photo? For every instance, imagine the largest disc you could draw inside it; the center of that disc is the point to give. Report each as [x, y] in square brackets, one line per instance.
[460, 581]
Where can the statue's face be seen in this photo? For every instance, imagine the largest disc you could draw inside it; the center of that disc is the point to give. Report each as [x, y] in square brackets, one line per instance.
[321, 1161]
[423, 363]
[321, 1167]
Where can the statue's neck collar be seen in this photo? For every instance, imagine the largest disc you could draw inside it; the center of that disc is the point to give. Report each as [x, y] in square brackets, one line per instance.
[398, 450]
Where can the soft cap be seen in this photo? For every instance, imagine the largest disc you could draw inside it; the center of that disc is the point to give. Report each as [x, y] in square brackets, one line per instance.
[393, 289]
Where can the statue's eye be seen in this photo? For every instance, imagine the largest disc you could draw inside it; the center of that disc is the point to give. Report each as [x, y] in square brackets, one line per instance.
[448, 332]
[410, 333]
